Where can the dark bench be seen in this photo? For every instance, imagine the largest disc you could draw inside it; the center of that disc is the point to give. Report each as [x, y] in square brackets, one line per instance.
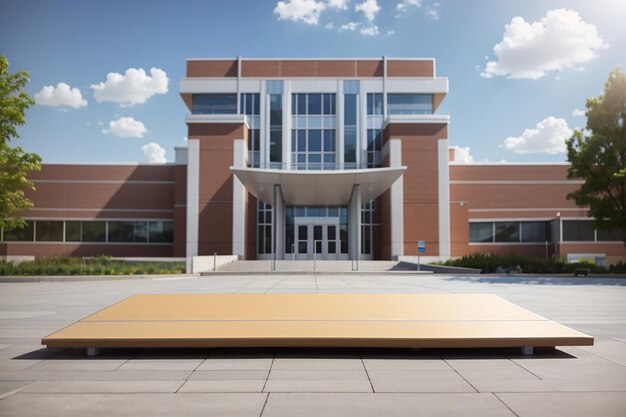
[581, 271]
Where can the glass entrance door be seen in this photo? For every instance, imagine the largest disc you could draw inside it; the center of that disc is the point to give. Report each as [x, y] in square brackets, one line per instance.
[319, 241]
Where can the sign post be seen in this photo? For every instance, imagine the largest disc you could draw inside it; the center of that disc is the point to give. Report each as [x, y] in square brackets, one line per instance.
[421, 248]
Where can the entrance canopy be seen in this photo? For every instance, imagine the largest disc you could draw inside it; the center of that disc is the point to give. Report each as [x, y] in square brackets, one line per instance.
[317, 188]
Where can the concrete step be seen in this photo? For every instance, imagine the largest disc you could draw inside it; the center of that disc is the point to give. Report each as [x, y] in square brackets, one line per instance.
[320, 266]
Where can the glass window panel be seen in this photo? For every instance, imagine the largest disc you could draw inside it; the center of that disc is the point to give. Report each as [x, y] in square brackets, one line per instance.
[302, 232]
[507, 232]
[535, 231]
[49, 231]
[294, 104]
[93, 231]
[161, 232]
[214, 104]
[24, 234]
[332, 232]
[343, 236]
[315, 140]
[120, 231]
[317, 232]
[257, 104]
[578, 231]
[289, 235]
[72, 231]
[302, 247]
[301, 140]
[276, 109]
[276, 148]
[301, 103]
[260, 240]
[315, 104]
[268, 239]
[350, 109]
[141, 231]
[481, 232]
[315, 158]
[332, 247]
[613, 235]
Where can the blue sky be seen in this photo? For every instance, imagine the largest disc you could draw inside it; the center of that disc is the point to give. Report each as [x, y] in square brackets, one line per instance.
[557, 53]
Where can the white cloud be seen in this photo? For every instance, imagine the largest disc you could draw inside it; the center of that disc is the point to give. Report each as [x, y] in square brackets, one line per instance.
[126, 127]
[369, 31]
[338, 4]
[134, 87]
[306, 10]
[404, 5]
[578, 113]
[329, 25]
[390, 32]
[61, 95]
[549, 136]
[560, 40]
[462, 154]
[351, 26]
[433, 11]
[154, 153]
[369, 8]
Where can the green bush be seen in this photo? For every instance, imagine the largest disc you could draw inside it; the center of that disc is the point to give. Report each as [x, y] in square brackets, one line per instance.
[99, 265]
[489, 263]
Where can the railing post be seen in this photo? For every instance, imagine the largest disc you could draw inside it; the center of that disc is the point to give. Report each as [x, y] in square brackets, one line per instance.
[214, 261]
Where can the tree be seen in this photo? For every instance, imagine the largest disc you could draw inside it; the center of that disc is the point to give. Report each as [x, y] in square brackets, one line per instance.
[598, 156]
[15, 163]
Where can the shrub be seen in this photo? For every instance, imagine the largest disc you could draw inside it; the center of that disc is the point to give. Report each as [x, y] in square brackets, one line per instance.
[98, 265]
[489, 263]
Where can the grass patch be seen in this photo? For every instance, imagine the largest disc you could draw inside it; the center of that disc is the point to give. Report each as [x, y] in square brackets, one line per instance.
[99, 265]
[489, 263]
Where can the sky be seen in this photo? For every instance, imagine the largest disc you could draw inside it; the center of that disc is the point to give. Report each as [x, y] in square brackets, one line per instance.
[105, 74]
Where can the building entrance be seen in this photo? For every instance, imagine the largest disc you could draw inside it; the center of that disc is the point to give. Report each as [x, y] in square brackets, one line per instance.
[319, 241]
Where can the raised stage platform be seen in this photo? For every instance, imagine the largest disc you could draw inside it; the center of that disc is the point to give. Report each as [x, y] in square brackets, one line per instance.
[315, 320]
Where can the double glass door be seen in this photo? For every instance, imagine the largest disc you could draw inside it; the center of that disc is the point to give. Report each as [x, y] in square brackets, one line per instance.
[319, 241]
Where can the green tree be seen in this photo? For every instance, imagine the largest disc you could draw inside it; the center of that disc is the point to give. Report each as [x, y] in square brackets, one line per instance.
[598, 156]
[14, 162]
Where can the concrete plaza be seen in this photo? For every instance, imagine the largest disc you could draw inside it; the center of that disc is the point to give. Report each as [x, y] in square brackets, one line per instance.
[574, 381]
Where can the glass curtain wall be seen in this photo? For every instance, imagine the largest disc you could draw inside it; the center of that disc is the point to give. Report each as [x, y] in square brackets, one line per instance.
[313, 136]
[250, 106]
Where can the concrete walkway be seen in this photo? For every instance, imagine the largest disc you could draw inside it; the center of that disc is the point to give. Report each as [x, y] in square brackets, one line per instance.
[586, 381]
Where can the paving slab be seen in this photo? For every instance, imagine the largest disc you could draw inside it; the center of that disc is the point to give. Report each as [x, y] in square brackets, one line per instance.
[317, 363]
[245, 385]
[153, 405]
[181, 364]
[93, 375]
[580, 404]
[370, 405]
[226, 375]
[235, 364]
[315, 385]
[102, 387]
[319, 374]
[84, 364]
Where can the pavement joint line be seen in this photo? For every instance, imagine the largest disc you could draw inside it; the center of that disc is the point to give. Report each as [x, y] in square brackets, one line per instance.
[190, 373]
[527, 370]
[367, 373]
[601, 357]
[267, 397]
[267, 377]
[459, 374]
[505, 404]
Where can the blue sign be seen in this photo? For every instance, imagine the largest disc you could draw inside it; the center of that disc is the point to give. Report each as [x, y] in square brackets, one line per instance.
[421, 250]
[421, 243]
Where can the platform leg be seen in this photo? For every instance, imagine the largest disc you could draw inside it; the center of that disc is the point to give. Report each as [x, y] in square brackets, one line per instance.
[93, 351]
[527, 350]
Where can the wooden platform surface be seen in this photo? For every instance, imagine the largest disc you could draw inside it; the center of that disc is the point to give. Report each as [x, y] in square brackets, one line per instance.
[316, 320]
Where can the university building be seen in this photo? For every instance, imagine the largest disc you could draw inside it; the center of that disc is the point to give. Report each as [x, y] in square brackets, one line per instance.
[337, 159]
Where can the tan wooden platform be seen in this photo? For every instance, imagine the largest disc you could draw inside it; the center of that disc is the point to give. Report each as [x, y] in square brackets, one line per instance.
[315, 320]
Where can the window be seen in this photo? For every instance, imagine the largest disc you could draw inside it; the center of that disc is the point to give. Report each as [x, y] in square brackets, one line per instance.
[374, 147]
[49, 231]
[276, 128]
[613, 235]
[24, 234]
[481, 232]
[374, 103]
[409, 103]
[127, 231]
[535, 232]
[93, 231]
[72, 231]
[264, 228]
[250, 104]
[350, 129]
[507, 232]
[367, 227]
[160, 232]
[313, 141]
[578, 231]
[214, 104]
